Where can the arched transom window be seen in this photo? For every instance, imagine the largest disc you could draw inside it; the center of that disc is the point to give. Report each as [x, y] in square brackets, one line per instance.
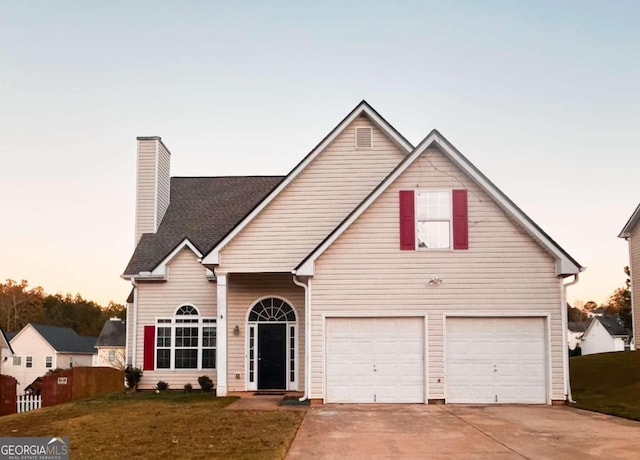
[272, 309]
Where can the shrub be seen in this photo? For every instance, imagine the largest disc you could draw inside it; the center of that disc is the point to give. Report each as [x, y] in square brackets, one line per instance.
[133, 375]
[54, 371]
[205, 383]
[188, 388]
[162, 385]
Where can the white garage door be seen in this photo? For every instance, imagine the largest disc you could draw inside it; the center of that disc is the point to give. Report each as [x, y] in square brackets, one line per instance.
[496, 360]
[375, 360]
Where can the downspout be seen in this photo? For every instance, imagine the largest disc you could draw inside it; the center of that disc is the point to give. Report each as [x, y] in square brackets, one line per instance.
[565, 327]
[134, 336]
[307, 335]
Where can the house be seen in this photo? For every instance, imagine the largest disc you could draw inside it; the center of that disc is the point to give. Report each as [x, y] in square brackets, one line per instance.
[604, 334]
[575, 332]
[600, 311]
[631, 233]
[39, 348]
[375, 271]
[111, 344]
[6, 351]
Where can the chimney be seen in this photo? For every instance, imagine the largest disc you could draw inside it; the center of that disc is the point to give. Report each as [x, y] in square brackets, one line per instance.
[152, 184]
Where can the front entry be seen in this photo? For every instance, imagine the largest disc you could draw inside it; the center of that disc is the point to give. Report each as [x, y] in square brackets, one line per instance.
[272, 356]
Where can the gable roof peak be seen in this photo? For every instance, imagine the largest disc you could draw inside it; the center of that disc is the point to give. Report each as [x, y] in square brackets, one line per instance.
[631, 223]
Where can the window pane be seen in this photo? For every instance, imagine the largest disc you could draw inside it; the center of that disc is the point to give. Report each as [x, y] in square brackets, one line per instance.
[163, 338]
[208, 336]
[186, 336]
[433, 235]
[187, 358]
[17, 360]
[209, 358]
[433, 205]
[163, 358]
[48, 361]
[29, 362]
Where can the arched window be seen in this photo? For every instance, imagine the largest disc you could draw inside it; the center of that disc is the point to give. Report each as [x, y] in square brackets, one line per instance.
[272, 309]
[186, 341]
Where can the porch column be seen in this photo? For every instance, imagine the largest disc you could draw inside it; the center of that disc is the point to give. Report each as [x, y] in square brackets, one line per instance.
[221, 334]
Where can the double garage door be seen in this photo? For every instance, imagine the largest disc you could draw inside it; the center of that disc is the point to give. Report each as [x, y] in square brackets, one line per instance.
[487, 360]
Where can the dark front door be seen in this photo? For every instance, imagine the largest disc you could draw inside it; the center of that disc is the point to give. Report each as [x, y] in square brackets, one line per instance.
[272, 350]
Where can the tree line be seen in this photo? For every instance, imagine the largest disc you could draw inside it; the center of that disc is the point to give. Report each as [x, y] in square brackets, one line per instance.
[20, 305]
[619, 304]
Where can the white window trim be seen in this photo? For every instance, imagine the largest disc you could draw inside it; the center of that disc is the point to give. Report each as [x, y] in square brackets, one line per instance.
[171, 323]
[48, 359]
[450, 220]
[28, 360]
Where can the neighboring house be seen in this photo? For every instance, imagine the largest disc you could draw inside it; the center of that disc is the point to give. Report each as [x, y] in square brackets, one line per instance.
[39, 348]
[574, 335]
[6, 352]
[600, 311]
[111, 344]
[375, 271]
[605, 333]
[631, 232]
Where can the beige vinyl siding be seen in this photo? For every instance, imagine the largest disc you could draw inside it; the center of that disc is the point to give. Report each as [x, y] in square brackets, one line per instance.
[186, 284]
[505, 271]
[243, 291]
[153, 185]
[634, 256]
[313, 204]
[146, 188]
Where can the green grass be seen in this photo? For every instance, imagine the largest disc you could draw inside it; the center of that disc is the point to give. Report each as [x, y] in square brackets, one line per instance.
[607, 383]
[166, 425]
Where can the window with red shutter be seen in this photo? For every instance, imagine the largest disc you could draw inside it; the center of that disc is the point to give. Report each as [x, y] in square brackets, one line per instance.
[149, 348]
[460, 220]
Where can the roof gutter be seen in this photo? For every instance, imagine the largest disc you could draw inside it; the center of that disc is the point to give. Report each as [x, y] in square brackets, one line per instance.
[307, 334]
[565, 339]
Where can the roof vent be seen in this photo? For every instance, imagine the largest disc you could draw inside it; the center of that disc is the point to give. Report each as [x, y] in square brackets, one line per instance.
[364, 138]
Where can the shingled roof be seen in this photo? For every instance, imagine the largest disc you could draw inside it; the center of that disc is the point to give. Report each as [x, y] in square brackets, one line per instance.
[613, 325]
[203, 210]
[65, 339]
[113, 333]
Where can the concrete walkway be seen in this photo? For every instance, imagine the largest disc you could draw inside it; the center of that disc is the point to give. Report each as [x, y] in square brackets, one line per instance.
[463, 432]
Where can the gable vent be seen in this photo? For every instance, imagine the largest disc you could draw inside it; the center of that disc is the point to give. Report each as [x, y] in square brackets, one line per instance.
[364, 138]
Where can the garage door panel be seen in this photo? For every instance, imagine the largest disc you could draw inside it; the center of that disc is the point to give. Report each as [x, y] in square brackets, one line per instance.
[381, 361]
[503, 360]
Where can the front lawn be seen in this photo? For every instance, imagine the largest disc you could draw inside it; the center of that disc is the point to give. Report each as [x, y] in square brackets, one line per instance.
[166, 425]
[607, 383]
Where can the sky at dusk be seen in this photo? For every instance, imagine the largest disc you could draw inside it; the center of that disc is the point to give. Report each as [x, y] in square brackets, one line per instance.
[542, 96]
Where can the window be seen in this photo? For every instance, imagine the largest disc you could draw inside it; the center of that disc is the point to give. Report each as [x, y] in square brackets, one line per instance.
[48, 362]
[112, 356]
[17, 360]
[186, 341]
[433, 219]
[29, 361]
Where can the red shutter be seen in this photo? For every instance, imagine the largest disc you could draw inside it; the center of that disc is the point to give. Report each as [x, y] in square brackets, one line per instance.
[407, 221]
[460, 220]
[149, 348]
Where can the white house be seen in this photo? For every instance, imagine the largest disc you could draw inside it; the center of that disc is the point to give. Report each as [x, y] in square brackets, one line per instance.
[111, 344]
[375, 271]
[631, 233]
[576, 330]
[39, 348]
[604, 334]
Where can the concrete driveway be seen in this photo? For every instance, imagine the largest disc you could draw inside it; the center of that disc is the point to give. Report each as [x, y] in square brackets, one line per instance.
[463, 432]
